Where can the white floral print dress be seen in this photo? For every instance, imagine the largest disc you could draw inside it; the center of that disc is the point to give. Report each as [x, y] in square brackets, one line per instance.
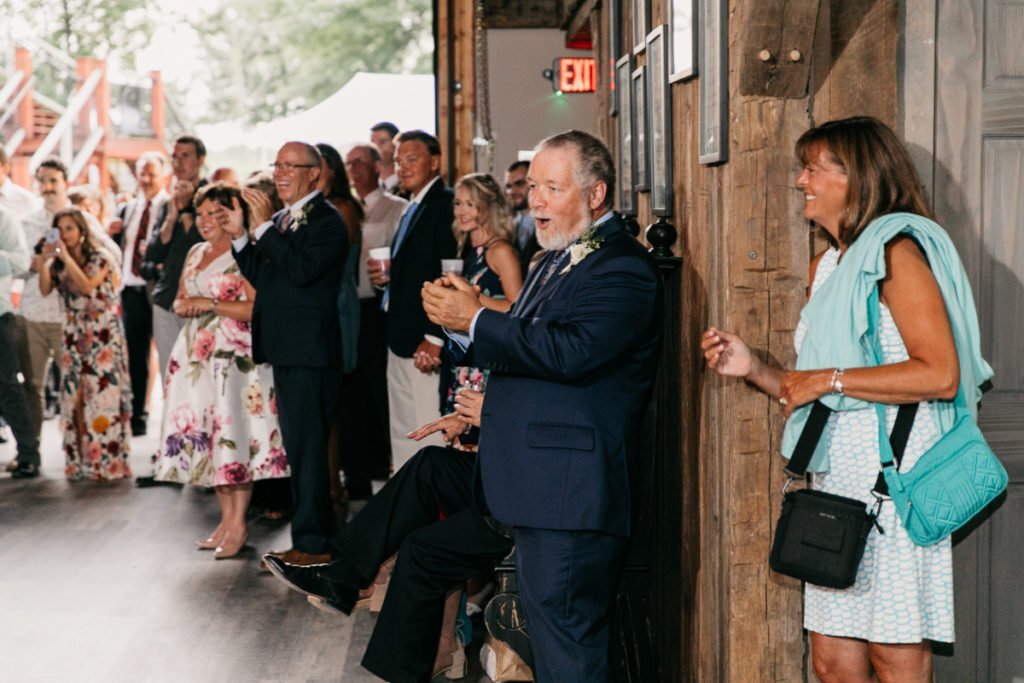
[220, 421]
[903, 592]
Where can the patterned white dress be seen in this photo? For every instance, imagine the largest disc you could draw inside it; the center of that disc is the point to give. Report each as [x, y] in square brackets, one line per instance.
[904, 592]
[220, 422]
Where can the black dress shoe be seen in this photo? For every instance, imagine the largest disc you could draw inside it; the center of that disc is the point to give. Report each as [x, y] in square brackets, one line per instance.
[313, 581]
[25, 471]
[138, 427]
[146, 482]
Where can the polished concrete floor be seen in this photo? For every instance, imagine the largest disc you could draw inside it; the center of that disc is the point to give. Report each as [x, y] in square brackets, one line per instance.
[102, 582]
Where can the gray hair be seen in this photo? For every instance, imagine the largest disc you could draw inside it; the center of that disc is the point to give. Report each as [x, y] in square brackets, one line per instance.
[371, 149]
[593, 160]
[149, 158]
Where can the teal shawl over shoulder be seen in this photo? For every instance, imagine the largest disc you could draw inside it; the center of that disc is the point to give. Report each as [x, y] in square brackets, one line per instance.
[836, 319]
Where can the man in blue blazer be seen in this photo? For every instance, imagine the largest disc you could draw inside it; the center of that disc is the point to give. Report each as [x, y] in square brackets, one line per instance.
[572, 369]
[294, 260]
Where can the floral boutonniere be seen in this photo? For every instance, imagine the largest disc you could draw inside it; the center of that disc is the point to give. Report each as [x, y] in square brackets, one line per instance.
[587, 244]
[300, 215]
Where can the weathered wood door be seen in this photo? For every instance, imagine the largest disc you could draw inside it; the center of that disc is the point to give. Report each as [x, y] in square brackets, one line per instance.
[969, 132]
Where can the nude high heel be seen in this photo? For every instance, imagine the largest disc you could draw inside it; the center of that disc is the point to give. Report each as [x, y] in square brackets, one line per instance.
[228, 549]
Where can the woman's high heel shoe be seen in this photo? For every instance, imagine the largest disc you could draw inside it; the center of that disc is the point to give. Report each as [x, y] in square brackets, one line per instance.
[228, 549]
[211, 543]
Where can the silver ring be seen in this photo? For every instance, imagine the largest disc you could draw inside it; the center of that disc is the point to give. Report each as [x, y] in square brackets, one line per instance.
[783, 401]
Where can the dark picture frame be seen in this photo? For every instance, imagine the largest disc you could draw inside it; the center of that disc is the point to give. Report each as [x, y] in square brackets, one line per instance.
[623, 84]
[641, 148]
[614, 47]
[714, 82]
[659, 121]
[641, 19]
[683, 19]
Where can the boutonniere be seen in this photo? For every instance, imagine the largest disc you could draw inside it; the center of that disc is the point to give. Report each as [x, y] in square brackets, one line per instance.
[586, 245]
[300, 215]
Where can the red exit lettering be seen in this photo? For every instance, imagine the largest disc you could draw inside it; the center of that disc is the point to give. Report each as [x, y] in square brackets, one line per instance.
[577, 74]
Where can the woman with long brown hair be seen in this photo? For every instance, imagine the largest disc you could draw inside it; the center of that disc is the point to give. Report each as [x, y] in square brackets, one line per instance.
[890, 320]
[95, 394]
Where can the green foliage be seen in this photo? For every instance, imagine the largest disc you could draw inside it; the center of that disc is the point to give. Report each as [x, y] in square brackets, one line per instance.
[270, 58]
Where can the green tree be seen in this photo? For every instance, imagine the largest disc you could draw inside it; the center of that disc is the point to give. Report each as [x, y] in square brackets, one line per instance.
[269, 58]
[108, 29]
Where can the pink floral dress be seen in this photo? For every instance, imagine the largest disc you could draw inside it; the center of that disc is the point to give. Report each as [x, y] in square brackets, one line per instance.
[220, 422]
[94, 377]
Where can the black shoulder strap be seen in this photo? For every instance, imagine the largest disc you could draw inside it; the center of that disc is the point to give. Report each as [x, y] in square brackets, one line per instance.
[815, 426]
[899, 437]
[804, 450]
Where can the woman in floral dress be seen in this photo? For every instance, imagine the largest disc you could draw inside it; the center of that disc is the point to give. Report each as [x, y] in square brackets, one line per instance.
[220, 423]
[485, 234]
[95, 395]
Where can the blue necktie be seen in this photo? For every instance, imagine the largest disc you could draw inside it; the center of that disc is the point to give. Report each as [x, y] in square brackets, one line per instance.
[403, 228]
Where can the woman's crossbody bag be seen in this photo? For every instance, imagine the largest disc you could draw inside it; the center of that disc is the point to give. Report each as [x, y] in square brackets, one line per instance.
[820, 536]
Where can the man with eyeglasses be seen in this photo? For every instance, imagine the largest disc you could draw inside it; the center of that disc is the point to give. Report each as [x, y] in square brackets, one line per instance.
[294, 259]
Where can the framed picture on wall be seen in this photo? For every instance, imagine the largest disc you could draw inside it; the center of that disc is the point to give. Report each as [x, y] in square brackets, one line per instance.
[659, 118]
[641, 18]
[623, 85]
[683, 27]
[614, 48]
[714, 82]
[641, 178]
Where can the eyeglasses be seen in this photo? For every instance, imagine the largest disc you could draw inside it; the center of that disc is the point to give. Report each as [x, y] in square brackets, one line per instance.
[289, 167]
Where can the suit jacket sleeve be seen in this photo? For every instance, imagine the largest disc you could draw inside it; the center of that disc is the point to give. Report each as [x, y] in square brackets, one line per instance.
[247, 262]
[444, 247]
[609, 312]
[305, 261]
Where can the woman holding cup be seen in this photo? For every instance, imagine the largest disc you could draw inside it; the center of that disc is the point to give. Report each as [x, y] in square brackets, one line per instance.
[485, 234]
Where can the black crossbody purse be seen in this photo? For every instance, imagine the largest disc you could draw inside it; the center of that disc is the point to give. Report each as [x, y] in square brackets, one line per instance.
[820, 536]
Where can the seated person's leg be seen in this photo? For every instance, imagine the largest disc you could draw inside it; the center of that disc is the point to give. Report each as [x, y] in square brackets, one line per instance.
[435, 480]
[430, 562]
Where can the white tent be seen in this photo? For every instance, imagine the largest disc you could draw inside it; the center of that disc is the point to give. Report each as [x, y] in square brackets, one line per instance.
[342, 119]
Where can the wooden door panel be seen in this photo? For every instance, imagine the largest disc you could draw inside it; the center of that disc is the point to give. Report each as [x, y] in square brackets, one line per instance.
[1006, 598]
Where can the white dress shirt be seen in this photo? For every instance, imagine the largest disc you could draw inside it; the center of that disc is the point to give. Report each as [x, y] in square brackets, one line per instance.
[17, 199]
[131, 234]
[383, 211]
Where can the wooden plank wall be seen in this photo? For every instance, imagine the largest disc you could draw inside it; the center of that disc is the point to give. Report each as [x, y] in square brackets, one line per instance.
[455, 56]
[745, 250]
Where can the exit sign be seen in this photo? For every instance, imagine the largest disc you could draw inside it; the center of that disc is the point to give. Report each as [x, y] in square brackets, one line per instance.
[575, 74]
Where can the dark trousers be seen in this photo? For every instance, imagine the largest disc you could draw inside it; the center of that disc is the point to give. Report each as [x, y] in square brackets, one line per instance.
[433, 556]
[138, 333]
[305, 401]
[567, 581]
[13, 401]
[366, 453]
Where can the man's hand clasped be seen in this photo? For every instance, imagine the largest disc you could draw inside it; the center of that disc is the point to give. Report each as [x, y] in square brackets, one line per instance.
[450, 301]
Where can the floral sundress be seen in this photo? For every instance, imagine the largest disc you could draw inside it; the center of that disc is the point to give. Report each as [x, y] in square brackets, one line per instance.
[220, 423]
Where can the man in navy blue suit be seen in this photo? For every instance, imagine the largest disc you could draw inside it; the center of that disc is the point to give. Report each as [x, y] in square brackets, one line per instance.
[294, 259]
[572, 368]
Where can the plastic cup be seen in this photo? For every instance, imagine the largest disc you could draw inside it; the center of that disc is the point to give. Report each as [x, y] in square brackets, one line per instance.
[383, 256]
[451, 265]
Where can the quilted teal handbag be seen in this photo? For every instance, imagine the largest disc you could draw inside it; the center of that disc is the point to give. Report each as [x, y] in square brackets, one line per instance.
[950, 483]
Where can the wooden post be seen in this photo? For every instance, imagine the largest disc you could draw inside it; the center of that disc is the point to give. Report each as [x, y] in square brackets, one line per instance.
[159, 117]
[26, 108]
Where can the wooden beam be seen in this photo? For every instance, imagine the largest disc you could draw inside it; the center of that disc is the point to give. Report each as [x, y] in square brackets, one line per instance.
[775, 49]
[578, 34]
[522, 13]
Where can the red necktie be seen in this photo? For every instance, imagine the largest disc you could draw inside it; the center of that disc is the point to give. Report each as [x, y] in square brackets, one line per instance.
[141, 237]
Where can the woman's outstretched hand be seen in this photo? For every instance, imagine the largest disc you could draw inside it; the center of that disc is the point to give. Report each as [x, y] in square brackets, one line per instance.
[726, 353]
